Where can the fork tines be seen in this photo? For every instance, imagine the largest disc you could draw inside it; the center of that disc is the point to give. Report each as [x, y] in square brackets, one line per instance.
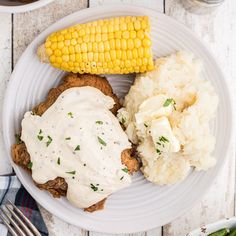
[16, 222]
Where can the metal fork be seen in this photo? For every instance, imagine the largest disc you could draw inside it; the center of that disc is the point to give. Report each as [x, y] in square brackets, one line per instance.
[17, 223]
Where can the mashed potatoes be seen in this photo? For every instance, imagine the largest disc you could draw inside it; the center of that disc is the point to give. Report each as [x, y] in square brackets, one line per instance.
[166, 114]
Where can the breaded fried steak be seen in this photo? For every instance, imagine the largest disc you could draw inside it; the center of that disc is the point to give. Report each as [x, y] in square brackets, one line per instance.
[58, 186]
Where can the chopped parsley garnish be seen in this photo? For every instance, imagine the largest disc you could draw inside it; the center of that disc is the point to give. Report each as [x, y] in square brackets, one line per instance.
[99, 122]
[123, 120]
[40, 138]
[101, 189]
[169, 101]
[125, 170]
[145, 125]
[163, 139]
[18, 140]
[158, 143]
[93, 187]
[68, 138]
[70, 114]
[84, 164]
[71, 172]
[122, 178]
[49, 141]
[77, 148]
[30, 165]
[32, 113]
[158, 151]
[102, 141]
[59, 161]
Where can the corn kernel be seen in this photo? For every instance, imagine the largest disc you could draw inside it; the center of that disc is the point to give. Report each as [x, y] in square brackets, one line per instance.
[60, 45]
[111, 36]
[118, 54]
[140, 34]
[101, 57]
[78, 57]
[123, 44]
[137, 25]
[71, 49]
[98, 29]
[95, 57]
[123, 55]
[140, 52]
[73, 42]
[72, 57]
[65, 58]
[117, 62]
[81, 32]
[132, 34]
[145, 61]
[86, 38]
[104, 37]
[71, 65]
[100, 47]
[75, 35]
[130, 26]
[92, 38]
[48, 44]
[58, 60]
[104, 29]
[123, 27]
[52, 58]
[92, 30]
[137, 43]
[90, 56]
[98, 37]
[129, 54]
[113, 54]
[106, 46]
[143, 24]
[83, 47]
[65, 51]
[110, 65]
[64, 64]
[117, 44]
[118, 35]
[54, 46]
[67, 42]
[135, 53]
[107, 56]
[139, 61]
[130, 44]
[133, 62]
[87, 30]
[110, 28]
[146, 42]
[77, 48]
[53, 38]
[68, 36]
[125, 34]
[147, 52]
[49, 51]
[57, 52]
[84, 57]
[112, 43]
[95, 47]
[116, 28]
[63, 31]
[89, 47]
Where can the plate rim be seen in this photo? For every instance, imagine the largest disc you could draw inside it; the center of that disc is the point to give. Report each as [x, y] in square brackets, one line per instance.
[134, 9]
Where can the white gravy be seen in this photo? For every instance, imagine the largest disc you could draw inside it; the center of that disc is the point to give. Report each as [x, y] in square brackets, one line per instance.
[80, 140]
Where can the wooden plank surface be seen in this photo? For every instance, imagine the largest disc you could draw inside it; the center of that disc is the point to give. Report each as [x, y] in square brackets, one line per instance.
[5, 71]
[216, 31]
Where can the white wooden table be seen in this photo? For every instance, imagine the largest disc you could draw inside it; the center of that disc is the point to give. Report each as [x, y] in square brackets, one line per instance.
[217, 30]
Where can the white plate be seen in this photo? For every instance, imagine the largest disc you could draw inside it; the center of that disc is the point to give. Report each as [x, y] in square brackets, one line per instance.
[24, 7]
[210, 228]
[143, 205]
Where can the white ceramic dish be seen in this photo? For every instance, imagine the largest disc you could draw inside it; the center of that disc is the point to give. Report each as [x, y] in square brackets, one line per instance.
[143, 205]
[208, 229]
[24, 7]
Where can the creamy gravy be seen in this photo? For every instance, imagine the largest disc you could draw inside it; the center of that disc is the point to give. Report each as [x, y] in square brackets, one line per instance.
[79, 139]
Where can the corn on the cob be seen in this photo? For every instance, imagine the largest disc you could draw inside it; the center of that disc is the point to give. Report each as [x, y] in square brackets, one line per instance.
[119, 45]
